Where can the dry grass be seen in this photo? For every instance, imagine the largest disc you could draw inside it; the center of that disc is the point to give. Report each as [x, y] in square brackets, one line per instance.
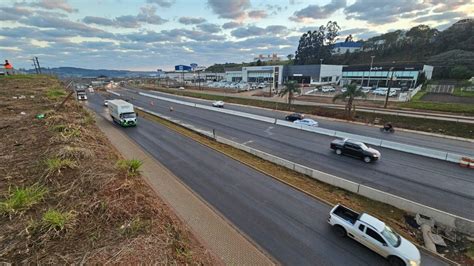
[88, 199]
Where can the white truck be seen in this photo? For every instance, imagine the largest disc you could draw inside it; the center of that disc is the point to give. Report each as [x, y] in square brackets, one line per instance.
[122, 113]
[81, 94]
[374, 234]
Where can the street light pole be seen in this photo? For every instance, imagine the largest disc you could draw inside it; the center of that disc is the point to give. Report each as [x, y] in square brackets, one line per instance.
[370, 69]
[388, 90]
[321, 61]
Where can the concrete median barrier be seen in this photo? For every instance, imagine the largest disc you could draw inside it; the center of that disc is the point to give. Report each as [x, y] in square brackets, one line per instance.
[113, 92]
[319, 130]
[436, 154]
[368, 140]
[287, 124]
[460, 224]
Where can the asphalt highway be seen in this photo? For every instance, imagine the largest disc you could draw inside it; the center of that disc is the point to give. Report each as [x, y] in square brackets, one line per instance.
[422, 140]
[289, 225]
[435, 183]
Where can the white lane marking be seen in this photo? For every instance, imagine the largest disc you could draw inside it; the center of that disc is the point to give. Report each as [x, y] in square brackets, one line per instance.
[247, 142]
[268, 131]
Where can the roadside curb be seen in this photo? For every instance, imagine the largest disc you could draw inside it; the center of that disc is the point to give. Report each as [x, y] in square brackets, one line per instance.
[281, 180]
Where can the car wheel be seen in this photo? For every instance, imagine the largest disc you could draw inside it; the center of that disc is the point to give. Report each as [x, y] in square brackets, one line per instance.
[338, 151]
[340, 231]
[367, 159]
[394, 261]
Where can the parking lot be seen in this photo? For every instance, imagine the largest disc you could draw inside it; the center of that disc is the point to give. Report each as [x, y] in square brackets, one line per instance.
[329, 91]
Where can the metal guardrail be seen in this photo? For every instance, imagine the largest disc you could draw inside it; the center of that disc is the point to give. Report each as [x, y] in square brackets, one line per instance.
[426, 152]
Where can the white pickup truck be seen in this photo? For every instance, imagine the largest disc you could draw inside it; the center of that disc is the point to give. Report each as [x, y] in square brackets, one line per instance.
[374, 234]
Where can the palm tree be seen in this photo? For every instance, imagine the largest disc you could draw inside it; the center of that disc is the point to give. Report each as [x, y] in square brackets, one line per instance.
[351, 92]
[290, 88]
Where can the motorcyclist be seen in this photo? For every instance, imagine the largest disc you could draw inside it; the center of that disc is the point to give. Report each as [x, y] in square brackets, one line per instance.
[388, 126]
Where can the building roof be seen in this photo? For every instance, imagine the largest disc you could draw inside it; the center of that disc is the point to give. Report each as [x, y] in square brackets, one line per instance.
[348, 45]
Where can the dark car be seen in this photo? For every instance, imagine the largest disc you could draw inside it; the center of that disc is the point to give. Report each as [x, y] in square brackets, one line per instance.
[295, 116]
[355, 149]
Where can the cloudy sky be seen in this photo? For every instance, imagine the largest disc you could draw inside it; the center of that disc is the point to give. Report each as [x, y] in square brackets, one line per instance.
[151, 34]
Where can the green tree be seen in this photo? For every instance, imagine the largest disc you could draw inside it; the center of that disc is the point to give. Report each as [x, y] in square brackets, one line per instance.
[290, 88]
[348, 96]
[259, 62]
[290, 56]
[460, 72]
[317, 44]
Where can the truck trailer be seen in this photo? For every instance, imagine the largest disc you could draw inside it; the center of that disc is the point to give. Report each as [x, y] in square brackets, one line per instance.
[122, 113]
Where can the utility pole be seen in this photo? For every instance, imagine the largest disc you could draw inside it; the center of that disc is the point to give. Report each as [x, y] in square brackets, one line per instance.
[388, 90]
[38, 63]
[34, 63]
[370, 69]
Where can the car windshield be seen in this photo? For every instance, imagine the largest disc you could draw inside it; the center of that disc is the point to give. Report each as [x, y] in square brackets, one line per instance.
[363, 146]
[392, 237]
[128, 115]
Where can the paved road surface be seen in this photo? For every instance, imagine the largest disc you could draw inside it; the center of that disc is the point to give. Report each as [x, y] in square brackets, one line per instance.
[457, 146]
[288, 224]
[438, 184]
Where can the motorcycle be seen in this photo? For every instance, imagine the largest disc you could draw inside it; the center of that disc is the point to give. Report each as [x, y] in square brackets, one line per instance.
[387, 130]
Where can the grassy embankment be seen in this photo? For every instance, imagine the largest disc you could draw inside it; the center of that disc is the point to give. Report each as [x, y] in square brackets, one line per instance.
[420, 124]
[67, 196]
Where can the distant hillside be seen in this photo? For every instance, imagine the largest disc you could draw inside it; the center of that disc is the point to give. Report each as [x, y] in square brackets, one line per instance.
[442, 49]
[83, 72]
[452, 47]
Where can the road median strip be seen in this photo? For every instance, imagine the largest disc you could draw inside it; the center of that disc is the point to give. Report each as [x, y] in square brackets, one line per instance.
[324, 187]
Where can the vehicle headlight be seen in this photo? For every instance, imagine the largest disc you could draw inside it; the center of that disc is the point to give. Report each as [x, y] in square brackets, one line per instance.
[413, 263]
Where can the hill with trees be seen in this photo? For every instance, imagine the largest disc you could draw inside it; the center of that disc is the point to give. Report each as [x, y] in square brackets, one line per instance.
[448, 50]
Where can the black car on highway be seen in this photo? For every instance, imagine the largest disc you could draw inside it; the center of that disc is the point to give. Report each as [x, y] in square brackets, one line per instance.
[355, 149]
[295, 116]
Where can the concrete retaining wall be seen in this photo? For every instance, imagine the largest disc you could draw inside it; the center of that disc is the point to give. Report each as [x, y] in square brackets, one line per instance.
[458, 223]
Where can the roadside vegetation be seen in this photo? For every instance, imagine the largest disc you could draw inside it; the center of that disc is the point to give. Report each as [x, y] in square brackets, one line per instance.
[329, 194]
[418, 103]
[63, 200]
[427, 125]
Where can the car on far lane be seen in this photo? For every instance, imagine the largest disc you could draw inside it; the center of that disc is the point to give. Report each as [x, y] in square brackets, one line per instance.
[293, 117]
[355, 149]
[328, 89]
[306, 122]
[219, 104]
[106, 102]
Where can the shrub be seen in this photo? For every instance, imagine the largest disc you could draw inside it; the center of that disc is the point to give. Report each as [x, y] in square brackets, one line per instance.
[56, 220]
[21, 199]
[57, 164]
[135, 226]
[75, 153]
[131, 166]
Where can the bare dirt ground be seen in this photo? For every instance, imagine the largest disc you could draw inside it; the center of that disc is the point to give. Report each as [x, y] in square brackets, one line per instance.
[447, 98]
[102, 214]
